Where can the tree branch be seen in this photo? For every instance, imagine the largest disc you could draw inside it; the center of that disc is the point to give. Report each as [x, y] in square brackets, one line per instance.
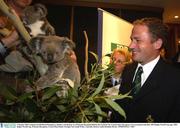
[11, 14]
[86, 57]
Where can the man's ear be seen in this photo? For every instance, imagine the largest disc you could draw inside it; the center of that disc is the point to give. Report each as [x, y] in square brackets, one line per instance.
[158, 44]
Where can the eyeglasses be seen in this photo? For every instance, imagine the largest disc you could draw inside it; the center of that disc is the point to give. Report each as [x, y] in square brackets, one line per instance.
[118, 61]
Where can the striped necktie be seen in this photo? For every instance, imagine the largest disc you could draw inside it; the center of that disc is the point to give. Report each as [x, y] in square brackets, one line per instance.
[137, 81]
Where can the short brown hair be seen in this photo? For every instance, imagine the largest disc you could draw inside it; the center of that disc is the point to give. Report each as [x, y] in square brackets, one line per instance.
[156, 28]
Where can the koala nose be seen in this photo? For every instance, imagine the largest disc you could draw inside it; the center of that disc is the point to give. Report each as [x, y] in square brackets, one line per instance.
[50, 58]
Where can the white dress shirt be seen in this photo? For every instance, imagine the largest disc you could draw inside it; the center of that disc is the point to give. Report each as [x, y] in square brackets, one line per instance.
[147, 69]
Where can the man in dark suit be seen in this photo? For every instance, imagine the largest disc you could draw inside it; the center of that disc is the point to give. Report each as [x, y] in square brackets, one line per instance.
[176, 58]
[157, 98]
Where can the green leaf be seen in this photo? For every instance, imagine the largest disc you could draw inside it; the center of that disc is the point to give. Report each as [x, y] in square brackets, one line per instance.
[31, 105]
[62, 108]
[116, 107]
[5, 116]
[120, 96]
[4, 112]
[99, 111]
[8, 93]
[50, 92]
[88, 112]
[24, 97]
[95, 56]
[99, 87]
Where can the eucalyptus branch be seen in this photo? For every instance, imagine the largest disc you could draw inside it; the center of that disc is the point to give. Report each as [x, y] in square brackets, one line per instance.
[79, 102]
[11, 14]
[86, 57]
[84, 115]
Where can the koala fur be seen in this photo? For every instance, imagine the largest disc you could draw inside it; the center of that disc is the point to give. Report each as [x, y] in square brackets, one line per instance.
[34, 19]
[55, 52]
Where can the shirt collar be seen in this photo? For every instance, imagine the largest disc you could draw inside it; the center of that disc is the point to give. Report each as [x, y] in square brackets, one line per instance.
[147, 68]
[151, 64]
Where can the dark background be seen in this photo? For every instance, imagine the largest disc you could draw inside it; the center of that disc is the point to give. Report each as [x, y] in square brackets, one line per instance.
[71, 20]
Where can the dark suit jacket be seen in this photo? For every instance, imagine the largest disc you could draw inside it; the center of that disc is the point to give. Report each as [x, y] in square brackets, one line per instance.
[159, 98]
[175, 60]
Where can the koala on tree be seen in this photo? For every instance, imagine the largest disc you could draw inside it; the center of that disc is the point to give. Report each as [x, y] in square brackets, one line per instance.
[62, 69]
[34, 19]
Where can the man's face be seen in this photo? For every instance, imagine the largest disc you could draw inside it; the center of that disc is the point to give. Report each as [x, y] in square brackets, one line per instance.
[119, 62]
[143, 49]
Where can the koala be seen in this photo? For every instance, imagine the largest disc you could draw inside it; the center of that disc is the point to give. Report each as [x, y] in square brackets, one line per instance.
[62, 69]
[34, 19]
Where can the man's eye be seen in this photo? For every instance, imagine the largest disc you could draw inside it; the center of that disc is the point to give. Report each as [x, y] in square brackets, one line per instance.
[137, 40]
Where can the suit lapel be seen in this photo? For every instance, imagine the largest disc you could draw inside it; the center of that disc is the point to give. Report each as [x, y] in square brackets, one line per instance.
[127, 77]
[152, 81]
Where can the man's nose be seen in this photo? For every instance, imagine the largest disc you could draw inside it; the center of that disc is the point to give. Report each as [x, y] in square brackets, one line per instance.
[132, 45]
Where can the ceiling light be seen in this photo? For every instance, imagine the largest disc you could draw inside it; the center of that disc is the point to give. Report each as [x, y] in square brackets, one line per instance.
[176, 17]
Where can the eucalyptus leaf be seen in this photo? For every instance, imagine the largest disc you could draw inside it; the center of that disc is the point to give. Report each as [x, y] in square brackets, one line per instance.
[24, 97]
[8, 93]
[50, 92]
[62, 108]
[116, 107]
[2, 114]
[99, 111]
[31, 105]
[98, 90]
[120, 96]
[88, 112]
[95, 56]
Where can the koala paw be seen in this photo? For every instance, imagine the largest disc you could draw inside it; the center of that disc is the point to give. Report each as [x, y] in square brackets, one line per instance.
[63, 91]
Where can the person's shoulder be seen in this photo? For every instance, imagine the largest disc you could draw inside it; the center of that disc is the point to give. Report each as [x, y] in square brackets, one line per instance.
[129, 70]
[131, 65]
[170, 69]
[174, 69]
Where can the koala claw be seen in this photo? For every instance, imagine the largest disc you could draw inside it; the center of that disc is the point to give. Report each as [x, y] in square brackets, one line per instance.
[67, 81]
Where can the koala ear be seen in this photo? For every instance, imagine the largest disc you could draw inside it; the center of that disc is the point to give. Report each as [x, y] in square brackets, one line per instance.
[41, 9]
[35, 44]
[69, 43]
